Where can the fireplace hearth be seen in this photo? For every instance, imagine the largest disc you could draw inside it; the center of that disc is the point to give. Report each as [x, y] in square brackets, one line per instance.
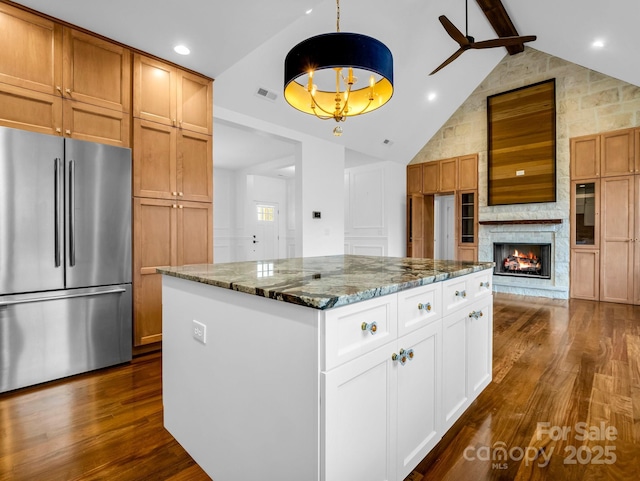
[522, 260]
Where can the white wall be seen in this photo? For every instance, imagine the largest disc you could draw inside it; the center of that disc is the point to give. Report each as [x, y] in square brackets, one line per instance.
[224, 226]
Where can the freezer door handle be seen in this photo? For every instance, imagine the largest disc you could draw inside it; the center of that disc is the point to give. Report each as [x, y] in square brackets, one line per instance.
[72, 208]
[65, 296]
[57, 190]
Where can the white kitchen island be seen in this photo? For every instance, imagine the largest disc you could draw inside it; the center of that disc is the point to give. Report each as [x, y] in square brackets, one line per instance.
[322, 369]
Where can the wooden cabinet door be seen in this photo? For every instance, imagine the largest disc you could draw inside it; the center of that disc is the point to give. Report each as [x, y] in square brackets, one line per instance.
[30, 110]
[419, 387]
[617, 157]
[414, 179]
[155, 245]
[616, 239]
[96, 124]
[468, 172]
[415, 225]
[430, 177]
[636, 280]
[585, 157]
[154, 160]
[359, 411]
[585, 274]
[154, 90]
[194, 102]
[448, 175]
[585, 214]
[96, 71]
[194, 233]
[31, 53]
[637, 148]
[194, 176]
[468, 254]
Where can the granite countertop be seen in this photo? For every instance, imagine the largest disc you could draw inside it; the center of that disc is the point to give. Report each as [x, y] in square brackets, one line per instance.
[328, 281]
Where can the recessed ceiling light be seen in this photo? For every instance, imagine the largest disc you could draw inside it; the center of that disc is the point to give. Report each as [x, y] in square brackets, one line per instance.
[308, 12]
[432, 96]
[598, 44]
[181, 49]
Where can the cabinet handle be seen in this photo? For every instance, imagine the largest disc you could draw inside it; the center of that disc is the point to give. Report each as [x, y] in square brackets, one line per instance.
[372, 327]
[461, 294]
[425, 307]
[485, 284]
[476, 314]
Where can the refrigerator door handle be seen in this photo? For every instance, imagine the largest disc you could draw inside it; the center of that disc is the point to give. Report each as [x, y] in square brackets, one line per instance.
[56, 298]
[72, 208]
[57, 168]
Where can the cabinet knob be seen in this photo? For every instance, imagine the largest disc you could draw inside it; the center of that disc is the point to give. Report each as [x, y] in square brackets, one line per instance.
[58, 129]
[180, 194]
[180, 206]
[174, 193]
[401, 358]
[174, 206]
[462, 294]
[485, 284]
[58, 88]
[174, 122]
[372, 327]
[68, 91]
[476, 314]
[424, 307]
[68, 132]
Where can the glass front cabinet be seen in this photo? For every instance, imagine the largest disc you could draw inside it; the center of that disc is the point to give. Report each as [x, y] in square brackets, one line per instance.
[467, 225]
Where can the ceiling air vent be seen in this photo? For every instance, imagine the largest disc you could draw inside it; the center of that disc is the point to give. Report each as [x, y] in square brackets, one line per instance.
[387, 142]
[266, 94]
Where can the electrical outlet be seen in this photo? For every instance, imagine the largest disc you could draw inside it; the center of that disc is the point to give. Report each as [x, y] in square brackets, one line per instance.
[199, 331]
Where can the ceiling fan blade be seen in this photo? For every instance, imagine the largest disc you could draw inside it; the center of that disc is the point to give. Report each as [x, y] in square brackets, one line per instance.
[503, 42]
[455, 55]
[453, 31]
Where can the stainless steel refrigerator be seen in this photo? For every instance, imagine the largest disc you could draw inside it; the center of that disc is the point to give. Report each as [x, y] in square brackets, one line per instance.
[65, 257]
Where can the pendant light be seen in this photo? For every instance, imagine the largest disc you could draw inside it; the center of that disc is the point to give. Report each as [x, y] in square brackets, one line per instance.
[342, 95]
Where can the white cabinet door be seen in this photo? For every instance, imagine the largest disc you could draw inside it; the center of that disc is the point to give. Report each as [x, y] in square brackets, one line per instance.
[467, 344]
[480, 347]
[454, 364]
[419, 388]
[358, 411]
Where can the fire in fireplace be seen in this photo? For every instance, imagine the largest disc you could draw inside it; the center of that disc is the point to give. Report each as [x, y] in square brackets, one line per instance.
[526, 260]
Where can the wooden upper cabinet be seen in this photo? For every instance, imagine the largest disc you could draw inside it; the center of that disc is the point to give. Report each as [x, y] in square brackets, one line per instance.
[430, 177]
[194, 174]
[31, 53]
[468, 172]
[171, 96]
[30, 110]
[637, 156]
[96, 71]
[195, 103]
[617, 157]
[154, 87]
[154, 160]
[414, 179]
[585, 157]
[448, 175]
[96, 124]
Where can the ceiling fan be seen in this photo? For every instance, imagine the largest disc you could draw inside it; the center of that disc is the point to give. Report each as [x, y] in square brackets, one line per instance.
[467, 42]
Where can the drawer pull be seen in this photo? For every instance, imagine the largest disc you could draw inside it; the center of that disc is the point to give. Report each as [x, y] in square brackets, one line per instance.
[476, 314]
[403, 357]
[485, 284]
[372, 327]
[425, 307]
[462, 294]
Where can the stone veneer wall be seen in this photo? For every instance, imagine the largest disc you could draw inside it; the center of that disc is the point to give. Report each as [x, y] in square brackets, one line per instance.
[587, 102]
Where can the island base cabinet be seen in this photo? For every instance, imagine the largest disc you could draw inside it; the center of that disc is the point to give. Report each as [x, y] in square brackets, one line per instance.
[382, 411]
[467, 344]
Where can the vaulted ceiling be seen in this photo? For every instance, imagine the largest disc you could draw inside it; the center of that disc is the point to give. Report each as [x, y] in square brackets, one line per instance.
[242, 45]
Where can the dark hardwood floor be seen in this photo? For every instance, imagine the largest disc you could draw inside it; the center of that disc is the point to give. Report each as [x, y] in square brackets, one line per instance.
[563, 371]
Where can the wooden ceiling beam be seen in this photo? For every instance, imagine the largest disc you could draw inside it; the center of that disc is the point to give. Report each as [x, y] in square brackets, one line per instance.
[501, 22]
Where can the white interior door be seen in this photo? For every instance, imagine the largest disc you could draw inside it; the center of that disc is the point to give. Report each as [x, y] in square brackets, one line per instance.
[264, 241]
[444, 227]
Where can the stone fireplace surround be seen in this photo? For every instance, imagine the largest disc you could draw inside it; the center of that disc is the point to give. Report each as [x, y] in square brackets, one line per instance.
[542, 231]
